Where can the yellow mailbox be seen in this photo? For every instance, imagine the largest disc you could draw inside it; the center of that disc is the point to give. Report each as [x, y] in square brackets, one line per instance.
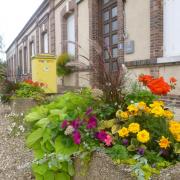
[44, 70]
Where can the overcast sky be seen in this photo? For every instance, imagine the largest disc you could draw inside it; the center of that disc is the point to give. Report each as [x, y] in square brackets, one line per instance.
[13, 16]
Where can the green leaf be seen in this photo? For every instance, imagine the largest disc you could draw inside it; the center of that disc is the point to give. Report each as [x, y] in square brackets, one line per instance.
[62, 176]
[55, 112]
[117, 152]
[37, 114]
[42, 123]
[71, 170]
[134, 142]
[177, 148]
[40, 168]
[65, 146]
[131, 148]
[34, 136]
[49, 175]
[38, 176]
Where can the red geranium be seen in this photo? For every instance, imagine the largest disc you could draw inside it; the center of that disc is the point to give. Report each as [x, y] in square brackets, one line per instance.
[173, 80]
[158, 86]
[145, 78]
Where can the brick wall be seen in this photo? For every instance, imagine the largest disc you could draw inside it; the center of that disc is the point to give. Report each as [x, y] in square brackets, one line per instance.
[156, 28]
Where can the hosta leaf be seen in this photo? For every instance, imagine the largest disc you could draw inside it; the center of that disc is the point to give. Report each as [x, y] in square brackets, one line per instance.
[62, 146]
[49, 175]
[34, 136]
[38, 176]
[42, 123]
[37, 114]
[62, 176]
[71, 170]
[40, 168]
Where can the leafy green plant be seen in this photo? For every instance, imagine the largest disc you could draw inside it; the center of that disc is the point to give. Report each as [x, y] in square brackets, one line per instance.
[7, 89]
[62, 60]
[138, 93]
[52, 143]
[26, 90]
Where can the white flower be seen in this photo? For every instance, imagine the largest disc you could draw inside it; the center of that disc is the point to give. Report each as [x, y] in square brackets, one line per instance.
[13, 125]
[22, 128]
[18, 133]
[69, 130]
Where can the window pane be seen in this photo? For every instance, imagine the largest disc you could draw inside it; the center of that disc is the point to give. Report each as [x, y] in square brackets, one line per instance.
[114, 12]
[106, 41]
[115, 52]
[114, 25]
[115, 39]
[105, 1]
[106, 55]
[106, 16]
[106, 28]
[115, 66]
[71, 35]
[45, 39]
[32, 49]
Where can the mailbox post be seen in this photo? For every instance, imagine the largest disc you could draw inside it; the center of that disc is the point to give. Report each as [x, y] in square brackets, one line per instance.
[44, 70]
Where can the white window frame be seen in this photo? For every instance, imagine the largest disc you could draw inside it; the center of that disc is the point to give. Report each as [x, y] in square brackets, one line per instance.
[71, 38]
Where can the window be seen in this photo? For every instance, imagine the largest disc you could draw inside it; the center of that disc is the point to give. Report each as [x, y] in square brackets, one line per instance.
[25, 60]
[20, 63]
[32, 49]
[109, 28]
[171, 28]
[71, 35]
[32, 53]
[45, 44]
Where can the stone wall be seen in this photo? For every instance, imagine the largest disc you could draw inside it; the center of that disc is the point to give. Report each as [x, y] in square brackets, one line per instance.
[22, 105]
[101, 167]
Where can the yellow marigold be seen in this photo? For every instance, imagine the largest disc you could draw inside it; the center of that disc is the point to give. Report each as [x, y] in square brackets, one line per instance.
[121, 114]
[123, 132]
[141, 105]
[157, 111]
[124, 115]
[177, 137]
[164, 142]
[168, 114]
[134, 127]
[143, 136]
[157, 103]
[147, 110]
[174, 127]
[132, 109]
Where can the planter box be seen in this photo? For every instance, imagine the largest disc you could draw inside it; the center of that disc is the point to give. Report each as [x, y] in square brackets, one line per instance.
[101, 167]
[22, 105]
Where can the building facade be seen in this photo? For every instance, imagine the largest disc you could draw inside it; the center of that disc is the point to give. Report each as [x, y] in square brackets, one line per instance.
[143, 34]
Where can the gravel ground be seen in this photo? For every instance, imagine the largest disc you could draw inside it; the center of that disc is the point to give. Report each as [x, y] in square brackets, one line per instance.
[14, 157]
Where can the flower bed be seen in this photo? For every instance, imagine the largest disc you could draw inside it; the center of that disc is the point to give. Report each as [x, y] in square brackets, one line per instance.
[142, 134]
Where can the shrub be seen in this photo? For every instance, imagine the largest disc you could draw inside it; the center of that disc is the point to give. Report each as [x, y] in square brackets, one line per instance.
[30, 89]
[62, 60]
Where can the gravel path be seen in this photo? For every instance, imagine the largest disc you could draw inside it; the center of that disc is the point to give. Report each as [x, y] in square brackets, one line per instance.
[14, 157]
